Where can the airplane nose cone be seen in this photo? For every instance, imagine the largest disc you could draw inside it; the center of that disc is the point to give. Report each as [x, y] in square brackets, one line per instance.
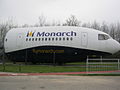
[113, 46]
[117, 46]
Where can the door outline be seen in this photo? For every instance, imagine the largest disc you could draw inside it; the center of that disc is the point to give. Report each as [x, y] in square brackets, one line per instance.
[84, 39]
[19, 42]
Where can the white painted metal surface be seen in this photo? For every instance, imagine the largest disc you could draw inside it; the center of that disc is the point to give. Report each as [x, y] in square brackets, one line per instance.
[16, 39]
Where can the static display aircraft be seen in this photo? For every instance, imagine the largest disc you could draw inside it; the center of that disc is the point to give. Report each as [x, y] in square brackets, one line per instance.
[61, 43]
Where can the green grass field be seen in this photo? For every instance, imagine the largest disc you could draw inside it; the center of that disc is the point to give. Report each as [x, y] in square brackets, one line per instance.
[39, 69]
[80, 67]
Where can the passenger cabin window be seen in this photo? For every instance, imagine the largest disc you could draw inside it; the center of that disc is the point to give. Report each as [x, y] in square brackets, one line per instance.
[52, 39]
[45, 39]
[71, 38]
[60, 38]
[42, 39]
[67, 38]
[39, 39]
[32, 39]
[29, 39]
[36, 39]
[49, 39]
[6, 39]
[103, 37]
[56, 38]
[100, 37]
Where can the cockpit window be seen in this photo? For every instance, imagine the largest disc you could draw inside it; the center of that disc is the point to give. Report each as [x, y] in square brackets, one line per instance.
[103, 37]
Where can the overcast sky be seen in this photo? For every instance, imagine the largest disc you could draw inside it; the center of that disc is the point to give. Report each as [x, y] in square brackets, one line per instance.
[28, 11]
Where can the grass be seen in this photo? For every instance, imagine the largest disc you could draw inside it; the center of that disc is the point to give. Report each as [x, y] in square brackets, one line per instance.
[40, 69]
[48, 69]
[71, 67]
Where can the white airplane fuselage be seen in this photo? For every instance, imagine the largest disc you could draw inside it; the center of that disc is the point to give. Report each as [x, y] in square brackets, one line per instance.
[65, 43]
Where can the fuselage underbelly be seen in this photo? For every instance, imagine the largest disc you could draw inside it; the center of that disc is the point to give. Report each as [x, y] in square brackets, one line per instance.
[47, 54]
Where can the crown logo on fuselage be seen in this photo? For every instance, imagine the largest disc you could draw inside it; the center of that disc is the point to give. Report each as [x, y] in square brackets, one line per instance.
[30, 34]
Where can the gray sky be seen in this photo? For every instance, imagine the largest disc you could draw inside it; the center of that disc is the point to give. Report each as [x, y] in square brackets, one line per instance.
[28, 11]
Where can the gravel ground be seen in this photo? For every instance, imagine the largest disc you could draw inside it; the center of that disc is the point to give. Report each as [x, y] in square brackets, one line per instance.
[54, 82]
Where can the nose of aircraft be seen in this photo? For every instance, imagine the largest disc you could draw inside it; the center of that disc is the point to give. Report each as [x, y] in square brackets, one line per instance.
[116, 46]
[113, 46]
[119, 47]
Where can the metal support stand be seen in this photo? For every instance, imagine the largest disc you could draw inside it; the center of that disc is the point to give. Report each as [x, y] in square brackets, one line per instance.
[3, 59]
[101, 59]
[3, 67]
[54, 59]
[19, 67]
[26, 57]
[87, 65]
[118, 64]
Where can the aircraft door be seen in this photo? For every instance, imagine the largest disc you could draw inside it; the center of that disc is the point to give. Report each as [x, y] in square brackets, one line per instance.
[20, 40]
[84, 39]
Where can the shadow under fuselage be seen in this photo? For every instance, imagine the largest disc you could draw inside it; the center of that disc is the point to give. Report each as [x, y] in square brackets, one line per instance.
[52, 54]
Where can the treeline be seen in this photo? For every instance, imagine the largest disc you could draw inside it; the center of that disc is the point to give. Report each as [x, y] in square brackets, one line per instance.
[112, 29]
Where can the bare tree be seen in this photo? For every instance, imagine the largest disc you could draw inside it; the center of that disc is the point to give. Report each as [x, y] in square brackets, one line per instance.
[112, 31]
[118, 32]
[56, 23]
[42, 20]
[87, 25]
[95, 25]
[104, 27]
[3, 31]
[72, 21]
[25, 25]
[4, 28]
[36, 25]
